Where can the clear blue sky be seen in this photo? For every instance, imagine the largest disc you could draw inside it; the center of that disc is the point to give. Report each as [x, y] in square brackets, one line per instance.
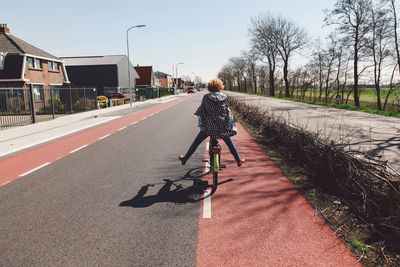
[201, 34]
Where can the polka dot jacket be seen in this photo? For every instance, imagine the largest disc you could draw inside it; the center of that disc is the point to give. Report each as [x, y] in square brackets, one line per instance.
[215, 118]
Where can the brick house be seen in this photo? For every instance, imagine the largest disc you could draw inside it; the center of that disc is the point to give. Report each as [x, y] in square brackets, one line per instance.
[164, 79]
[22, 64]
[146, 77]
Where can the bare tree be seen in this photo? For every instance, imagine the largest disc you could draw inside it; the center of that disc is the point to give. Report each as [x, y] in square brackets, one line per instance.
[378, 43]
[239, 68]
[395, 36]
[317, 64]
[262, 74]
[391, 86]
[352, 20]
[330, 55]
[251, 57]
[226, 74]
[288, 38]
[262, 31]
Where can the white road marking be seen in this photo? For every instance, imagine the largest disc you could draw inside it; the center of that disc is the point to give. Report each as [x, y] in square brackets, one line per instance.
[207, 167]
[35, 169]
[207, 200]
[207, 145]
[104, 136]
[79, 148]
[207, 205]
[120, 129]
[6, 182]
[133, 123]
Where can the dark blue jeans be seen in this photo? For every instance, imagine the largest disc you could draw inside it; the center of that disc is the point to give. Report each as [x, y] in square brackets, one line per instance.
[200, 138]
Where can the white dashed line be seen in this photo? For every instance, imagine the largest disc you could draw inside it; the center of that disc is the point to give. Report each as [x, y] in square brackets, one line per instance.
[79, 148]
[207, 205]
[35, 169]
[120, 129]
[104, 136]
[133, 123]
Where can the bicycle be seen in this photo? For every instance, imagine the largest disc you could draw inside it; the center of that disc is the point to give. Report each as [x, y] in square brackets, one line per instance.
[214, 151]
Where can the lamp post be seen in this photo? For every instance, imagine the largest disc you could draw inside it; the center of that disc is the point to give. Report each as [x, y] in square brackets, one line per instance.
[176, 72]
[129, 67]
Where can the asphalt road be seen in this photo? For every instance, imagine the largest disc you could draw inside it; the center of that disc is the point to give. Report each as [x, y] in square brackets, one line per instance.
[112, 203]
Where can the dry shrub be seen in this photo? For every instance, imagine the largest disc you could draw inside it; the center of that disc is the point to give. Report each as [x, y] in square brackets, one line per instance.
[360, 178]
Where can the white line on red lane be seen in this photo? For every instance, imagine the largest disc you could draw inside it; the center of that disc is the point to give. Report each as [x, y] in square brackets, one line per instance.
[35, 169]
[79, 148]
[207, 205]
[107, 135]
[120, 129]
[207, 200]
[133, 123]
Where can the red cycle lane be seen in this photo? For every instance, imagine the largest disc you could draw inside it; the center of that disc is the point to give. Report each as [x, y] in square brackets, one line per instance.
[260, 219]
[13, 167]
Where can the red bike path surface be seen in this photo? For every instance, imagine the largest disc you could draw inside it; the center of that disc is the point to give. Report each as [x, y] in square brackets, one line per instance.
[261, 219]
[12, 169]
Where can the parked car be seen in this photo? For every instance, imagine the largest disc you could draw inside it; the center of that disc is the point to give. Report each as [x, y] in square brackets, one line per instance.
[116, 95]
[191, 90]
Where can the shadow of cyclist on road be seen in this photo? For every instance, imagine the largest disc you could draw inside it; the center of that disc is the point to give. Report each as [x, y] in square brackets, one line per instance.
[171, 191]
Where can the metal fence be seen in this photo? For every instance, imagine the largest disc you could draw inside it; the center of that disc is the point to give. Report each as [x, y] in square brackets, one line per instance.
[20, 106]
[15, 107]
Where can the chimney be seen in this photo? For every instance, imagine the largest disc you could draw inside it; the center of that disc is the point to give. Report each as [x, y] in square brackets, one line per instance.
[4, 29]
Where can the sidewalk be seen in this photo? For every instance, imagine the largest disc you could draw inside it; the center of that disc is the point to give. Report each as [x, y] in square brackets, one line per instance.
[20, 138]
[359, 130]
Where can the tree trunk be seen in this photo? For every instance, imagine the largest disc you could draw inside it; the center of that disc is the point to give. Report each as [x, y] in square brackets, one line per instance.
[285, 77]
[255, 84]
[355, 86]
[396, 42]
[271, 83]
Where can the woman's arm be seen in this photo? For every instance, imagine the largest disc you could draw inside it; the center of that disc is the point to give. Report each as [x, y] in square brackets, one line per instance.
[201, 107]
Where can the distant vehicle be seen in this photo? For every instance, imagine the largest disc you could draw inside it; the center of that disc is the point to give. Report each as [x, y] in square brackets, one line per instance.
[191, 90]
[116, 95]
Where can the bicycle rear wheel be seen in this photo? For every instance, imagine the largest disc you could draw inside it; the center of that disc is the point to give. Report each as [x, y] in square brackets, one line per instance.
[215, 170]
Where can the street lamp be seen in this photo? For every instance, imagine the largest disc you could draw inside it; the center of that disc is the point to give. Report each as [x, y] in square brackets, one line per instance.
[176, 72]
[129, 67]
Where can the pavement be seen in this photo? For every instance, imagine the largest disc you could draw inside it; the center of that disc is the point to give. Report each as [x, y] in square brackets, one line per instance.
[358, 130]
[18, 139]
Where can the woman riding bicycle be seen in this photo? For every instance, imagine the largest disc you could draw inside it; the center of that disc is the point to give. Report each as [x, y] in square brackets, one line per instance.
[215, 120]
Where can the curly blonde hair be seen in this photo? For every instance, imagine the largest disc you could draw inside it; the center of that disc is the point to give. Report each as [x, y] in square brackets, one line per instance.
[215, 85]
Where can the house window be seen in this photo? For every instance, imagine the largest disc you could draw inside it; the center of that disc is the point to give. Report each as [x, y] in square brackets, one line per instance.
[31, 63]
[2, 59]
[53, 66]
[56, 91]
[38, 64]
[38, 93]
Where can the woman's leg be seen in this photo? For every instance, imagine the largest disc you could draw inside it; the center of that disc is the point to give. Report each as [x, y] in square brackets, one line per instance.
[233, 149]
[199, 138]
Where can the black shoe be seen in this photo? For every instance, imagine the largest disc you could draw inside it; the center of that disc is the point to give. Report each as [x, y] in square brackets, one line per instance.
[182, 159]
